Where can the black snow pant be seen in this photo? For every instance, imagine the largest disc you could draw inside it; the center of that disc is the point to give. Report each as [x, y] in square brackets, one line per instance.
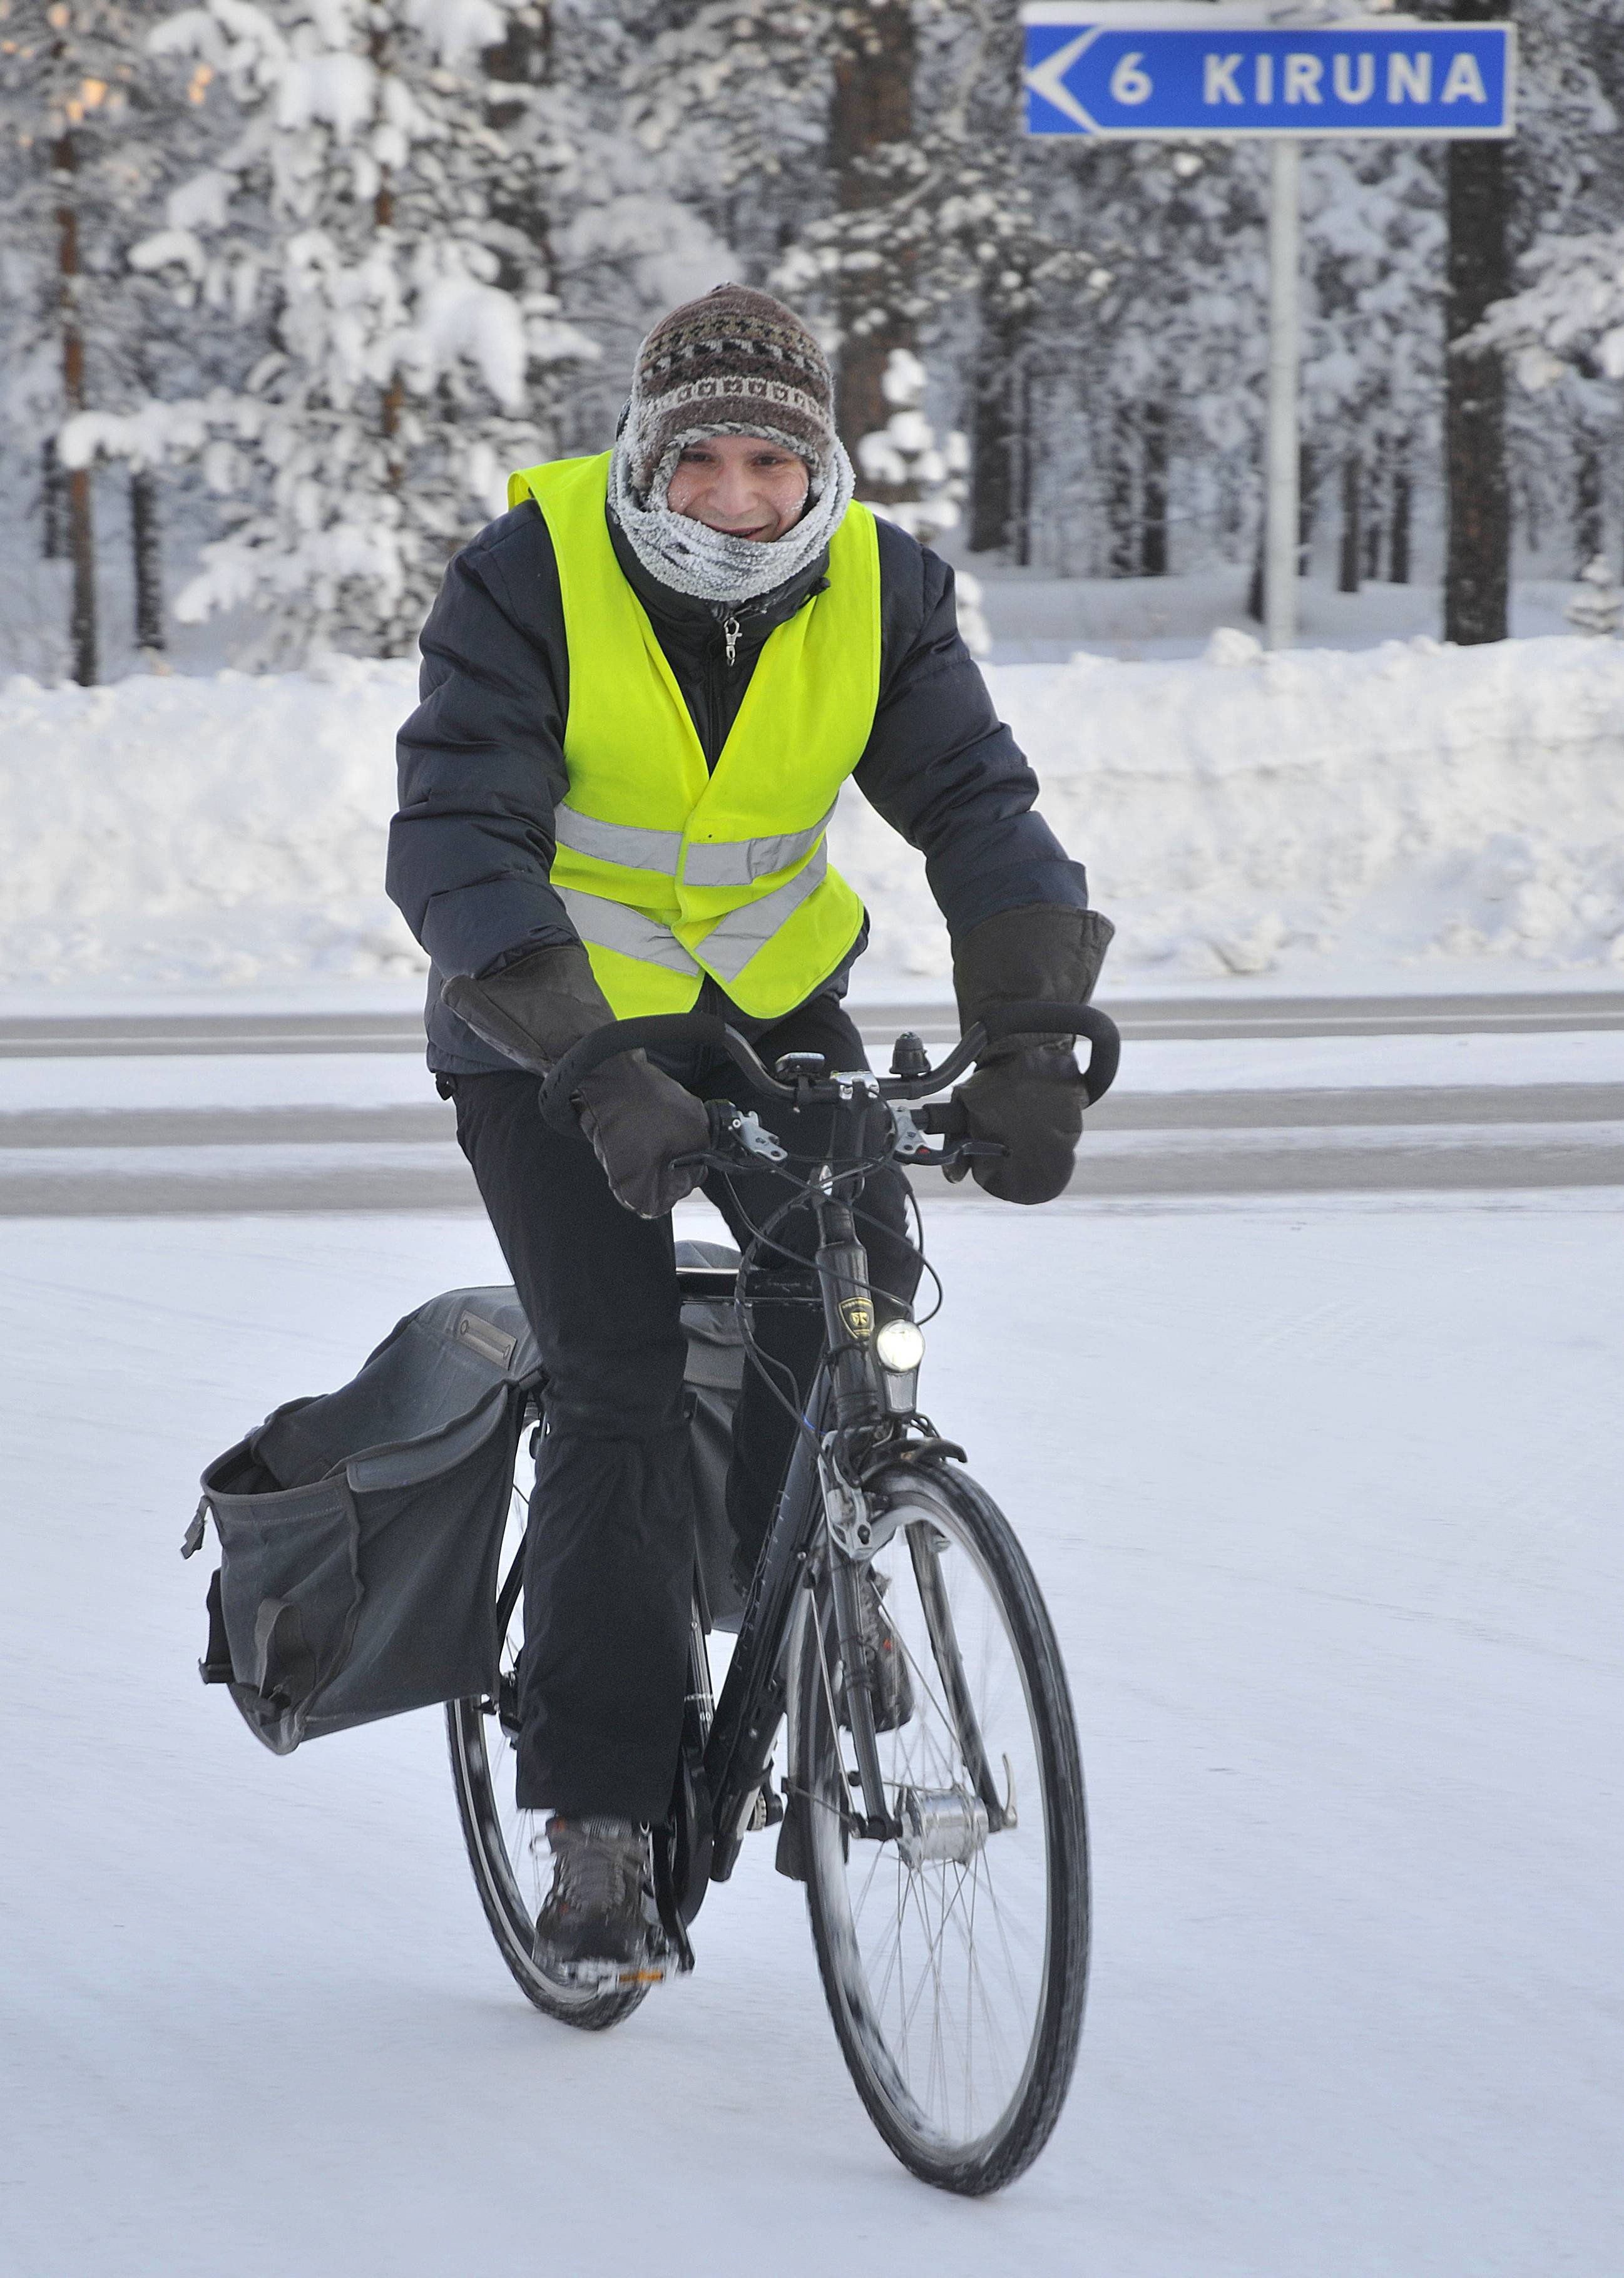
[609, 1562]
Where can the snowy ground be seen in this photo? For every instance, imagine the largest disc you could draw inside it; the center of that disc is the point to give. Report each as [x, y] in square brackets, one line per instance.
[1326, 1505]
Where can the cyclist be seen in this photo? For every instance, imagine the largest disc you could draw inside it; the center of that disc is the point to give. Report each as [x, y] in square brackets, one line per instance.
[642, 689]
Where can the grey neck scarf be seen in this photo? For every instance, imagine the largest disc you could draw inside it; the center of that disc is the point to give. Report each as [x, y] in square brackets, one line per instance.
[707, 564]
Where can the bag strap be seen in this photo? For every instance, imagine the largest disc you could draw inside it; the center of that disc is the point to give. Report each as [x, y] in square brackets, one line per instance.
[193, 1540]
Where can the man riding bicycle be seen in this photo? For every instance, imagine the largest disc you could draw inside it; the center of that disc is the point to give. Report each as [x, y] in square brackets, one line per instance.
[642, 688]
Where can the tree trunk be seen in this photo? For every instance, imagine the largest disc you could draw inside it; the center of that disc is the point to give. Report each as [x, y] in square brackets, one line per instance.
[81, 523]
[523, 59]
[52, 499]
[873, 106]
[1023, 440]
[1353, 499]
[1477, 574]
[81, 552]
[1398, 559]
[147, 556]
[992, 441]
[1119, 496]
[1307, 505]
[1590, 538]
[393, 397]
[1154, 501]
[1372, 535]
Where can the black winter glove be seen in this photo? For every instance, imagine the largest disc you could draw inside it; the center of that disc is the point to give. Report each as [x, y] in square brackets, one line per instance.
[1027, 1093]
[639, 1121]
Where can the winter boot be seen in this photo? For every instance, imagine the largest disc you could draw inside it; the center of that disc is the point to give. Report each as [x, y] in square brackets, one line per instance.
[891, 1685]
[599, 1920]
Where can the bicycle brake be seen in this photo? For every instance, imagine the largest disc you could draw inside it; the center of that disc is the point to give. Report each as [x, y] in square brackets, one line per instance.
[731, 1126]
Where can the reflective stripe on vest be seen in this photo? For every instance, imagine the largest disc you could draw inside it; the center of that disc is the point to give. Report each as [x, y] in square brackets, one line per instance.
[730, 862]
[615, 925]
[670, 870]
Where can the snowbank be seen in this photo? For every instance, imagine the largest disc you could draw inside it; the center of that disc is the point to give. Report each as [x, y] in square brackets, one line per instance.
[182, 830]
[1383, 804]
[1232, 811]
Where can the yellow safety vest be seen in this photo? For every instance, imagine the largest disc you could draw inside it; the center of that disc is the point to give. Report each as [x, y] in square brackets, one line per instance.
[669, 871]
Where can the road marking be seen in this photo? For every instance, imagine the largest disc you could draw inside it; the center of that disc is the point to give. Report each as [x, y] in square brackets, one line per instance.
[1172, 1019]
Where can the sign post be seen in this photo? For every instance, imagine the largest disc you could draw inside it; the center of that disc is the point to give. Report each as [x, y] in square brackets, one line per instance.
[1188, 71]
[1286, 207]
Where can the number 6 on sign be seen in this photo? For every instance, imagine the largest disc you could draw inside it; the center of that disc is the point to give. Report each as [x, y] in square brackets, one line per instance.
[1129, 83]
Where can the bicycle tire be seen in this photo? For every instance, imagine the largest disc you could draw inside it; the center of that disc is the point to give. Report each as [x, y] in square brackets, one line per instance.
[496, 1834]
[970, 2161]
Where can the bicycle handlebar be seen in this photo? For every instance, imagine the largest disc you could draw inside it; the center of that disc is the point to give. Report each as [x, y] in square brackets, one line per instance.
[680, 1029]
[1047, 1019]
[670, 1030]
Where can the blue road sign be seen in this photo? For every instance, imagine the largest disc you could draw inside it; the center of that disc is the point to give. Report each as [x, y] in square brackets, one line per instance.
[1090, 70]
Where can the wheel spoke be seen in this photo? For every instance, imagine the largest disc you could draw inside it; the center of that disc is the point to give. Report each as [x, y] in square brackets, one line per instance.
[947, 1985]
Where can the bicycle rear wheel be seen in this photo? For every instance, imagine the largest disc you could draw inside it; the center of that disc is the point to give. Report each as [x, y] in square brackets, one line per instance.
[955, 1957]
[507, 1846]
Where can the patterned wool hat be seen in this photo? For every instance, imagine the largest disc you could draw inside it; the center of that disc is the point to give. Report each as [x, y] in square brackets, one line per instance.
[736, 363]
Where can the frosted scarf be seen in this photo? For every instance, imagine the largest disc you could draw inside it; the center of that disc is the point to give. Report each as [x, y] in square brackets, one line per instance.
[708, 564]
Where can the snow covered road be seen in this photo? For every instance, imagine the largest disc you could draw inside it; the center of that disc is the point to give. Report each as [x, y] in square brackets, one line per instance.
[1326, 1503]
[124, 1163]
[228, 1110]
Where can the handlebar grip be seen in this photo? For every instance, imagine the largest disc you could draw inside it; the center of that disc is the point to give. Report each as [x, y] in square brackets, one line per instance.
[1046, 1018]
[607, 1043]
[944, 1119]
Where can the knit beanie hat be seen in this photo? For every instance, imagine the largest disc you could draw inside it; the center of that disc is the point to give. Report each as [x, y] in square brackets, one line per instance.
[736, 363]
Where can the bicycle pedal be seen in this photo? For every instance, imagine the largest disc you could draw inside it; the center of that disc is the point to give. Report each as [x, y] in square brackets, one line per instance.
[671, 1962]
[600, 1975]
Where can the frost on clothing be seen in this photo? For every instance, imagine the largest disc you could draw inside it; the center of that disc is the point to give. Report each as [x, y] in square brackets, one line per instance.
[482, 765]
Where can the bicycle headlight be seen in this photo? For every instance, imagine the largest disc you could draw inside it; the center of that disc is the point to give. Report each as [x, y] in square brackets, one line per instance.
[899, 1347]
[898, 1350]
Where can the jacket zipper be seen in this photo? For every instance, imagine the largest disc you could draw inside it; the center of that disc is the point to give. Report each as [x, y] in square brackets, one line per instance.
[730, 634]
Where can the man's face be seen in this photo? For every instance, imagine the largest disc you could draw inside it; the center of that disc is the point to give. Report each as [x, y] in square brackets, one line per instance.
[740, 484]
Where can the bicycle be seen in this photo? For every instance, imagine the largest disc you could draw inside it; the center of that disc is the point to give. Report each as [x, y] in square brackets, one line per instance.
[943, 1843]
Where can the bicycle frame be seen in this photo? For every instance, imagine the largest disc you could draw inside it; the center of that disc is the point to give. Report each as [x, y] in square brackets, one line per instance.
[723, 1769]
[844, 1407]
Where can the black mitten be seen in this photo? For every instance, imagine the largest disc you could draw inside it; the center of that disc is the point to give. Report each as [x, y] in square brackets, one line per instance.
[639, 1122]
[1026, 1094]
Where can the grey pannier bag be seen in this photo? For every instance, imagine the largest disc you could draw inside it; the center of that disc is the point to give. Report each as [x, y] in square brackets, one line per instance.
[360, 1532]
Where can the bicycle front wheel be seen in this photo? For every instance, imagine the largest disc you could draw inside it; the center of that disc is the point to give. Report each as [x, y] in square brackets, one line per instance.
[953, 1955]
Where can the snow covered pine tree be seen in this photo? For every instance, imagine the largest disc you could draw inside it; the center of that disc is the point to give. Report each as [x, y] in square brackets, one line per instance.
[89, 130]
[402, 348]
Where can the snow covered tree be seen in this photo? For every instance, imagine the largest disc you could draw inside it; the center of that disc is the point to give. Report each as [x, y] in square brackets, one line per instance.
[918, 483]
[1598, 607]
[921, 483]
[873, 163]
[1569, 317]
[1372, 350]
[642, 184]
[400, 341]
[89, 131]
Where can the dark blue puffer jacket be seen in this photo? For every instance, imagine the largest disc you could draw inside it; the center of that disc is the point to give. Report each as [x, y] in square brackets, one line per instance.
[482, 766]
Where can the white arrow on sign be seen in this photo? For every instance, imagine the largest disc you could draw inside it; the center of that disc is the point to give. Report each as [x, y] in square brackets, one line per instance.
[1048, 80]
